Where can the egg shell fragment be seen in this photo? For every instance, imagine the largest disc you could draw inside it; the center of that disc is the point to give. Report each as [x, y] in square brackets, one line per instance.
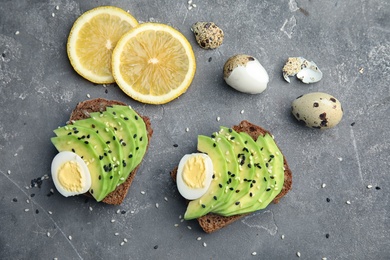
[306, 71]
[317, 110]
[208, 35]
[245, 74]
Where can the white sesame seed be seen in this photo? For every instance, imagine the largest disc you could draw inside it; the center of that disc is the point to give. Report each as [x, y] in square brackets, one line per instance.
[26, 210]
[190, 7]
[112, 220]
[157, 205]
[48, 234]
[323, 185]
[125, 240]
[194, 5]
[122, 243]
[198, 238]
[189, 2]
[282, 237]
[361, 70]
[180, 217]
[187, 129]
[340, 159]
[254, 253]
[132, 212]
[51, 190]
[298, 254]
[348, 202]
[369, 186]
[57, 7]
[143, 193]
[176, 225]
[9, 172]
[70, 237]
[27, 201]
[116, 234]
[17, 32]
[189, 227]
[50, 213]
[182, 220]
[242, 111]
[324, 258]
[165, 198]
[90, 208]
[88, 95]
[204, 244]
[118, 211]
[55, 258]
[53, 14]
[218, 118]
[15, 154]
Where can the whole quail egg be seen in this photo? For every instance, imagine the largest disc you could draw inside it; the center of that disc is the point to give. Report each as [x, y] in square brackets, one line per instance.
[317, 110]
[208, 35]
[245, 74]
[70, 174]
[194, 175]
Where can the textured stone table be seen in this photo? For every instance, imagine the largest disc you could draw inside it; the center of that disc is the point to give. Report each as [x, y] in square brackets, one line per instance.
[330, 213]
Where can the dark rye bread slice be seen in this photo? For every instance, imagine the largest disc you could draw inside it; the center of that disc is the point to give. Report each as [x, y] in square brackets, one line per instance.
[213, 222]
[82, 111]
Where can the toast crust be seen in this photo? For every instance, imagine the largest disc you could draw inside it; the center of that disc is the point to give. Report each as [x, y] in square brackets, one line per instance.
[213, 222]
[82, 111]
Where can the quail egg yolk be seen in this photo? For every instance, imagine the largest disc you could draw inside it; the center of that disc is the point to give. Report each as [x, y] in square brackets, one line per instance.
[69, 176]
[194, 174]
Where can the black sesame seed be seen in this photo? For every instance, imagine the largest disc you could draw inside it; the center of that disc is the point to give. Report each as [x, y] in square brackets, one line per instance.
[32, 195]
[233, 175]
[106, 91]
[213, 176]
[123, 212]
[212, 136]
[91, 191]
[214, 144]
[175, 145]
[249, 165]
[210, 59]
[135, 136]
[231, 188]
[237, 203]
[126, 118]
[76, 132]
[254, 181]
[136, 117]
[220, 185]
[100, 177]
[327, 235]
[36, 211]
[237, 191]
[140, 138]
[101, 157]
[73, 150]
[229, 173]
[130, 156]
[265, 179]
[250, 194]
[111, 177]
[114, 138]
[215, 197]
[230, 130]
[203, 206]
[268, 189]
[86, 142]
[377, 188]
[124, 163]
[108, 142]
[137, 148]
[93, 126]
[15, 200]
[114, 113]
[232, 138]
[155, 247]
[327, 200]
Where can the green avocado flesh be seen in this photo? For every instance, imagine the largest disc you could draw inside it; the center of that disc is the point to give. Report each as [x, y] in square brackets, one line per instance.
[250, 174]
[109, 144]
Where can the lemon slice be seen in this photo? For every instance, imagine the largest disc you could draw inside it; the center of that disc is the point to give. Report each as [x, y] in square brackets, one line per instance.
[93, 38]
[153, 63]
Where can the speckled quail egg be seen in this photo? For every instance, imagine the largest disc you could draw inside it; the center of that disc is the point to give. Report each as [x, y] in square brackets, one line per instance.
[306, 71]
[194, 175]
[317, 110]
[70, 174]
[208, 35]
[245, 74]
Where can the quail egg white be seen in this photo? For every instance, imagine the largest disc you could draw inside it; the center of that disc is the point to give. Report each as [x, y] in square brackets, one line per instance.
[194, 175]
[70, 174]
[245, 74]
[317, 110]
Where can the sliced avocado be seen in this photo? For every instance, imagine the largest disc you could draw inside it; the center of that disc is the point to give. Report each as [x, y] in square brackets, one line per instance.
[108, 148]
[137, 129]
[235, 144]
[87, 152]
[122, 134]
[245, 173]
[258, 184]
[206, 203]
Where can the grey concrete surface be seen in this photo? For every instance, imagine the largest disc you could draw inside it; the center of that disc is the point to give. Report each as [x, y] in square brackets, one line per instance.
[349, 40]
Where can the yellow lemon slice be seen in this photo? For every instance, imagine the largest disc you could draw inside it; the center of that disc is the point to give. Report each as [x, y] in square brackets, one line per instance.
[93, 38]
[153, 63]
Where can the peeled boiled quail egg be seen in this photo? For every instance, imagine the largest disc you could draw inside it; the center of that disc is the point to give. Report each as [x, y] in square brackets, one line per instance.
[194, 175]
[317, 110]
[70, 174]
[306, 71]
[245, 73]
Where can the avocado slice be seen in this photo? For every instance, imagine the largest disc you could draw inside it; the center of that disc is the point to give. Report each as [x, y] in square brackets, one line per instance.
[109, 149]
[122, 134]
[137, 129]
[206, 203]
[245, 173]
[87, 152]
